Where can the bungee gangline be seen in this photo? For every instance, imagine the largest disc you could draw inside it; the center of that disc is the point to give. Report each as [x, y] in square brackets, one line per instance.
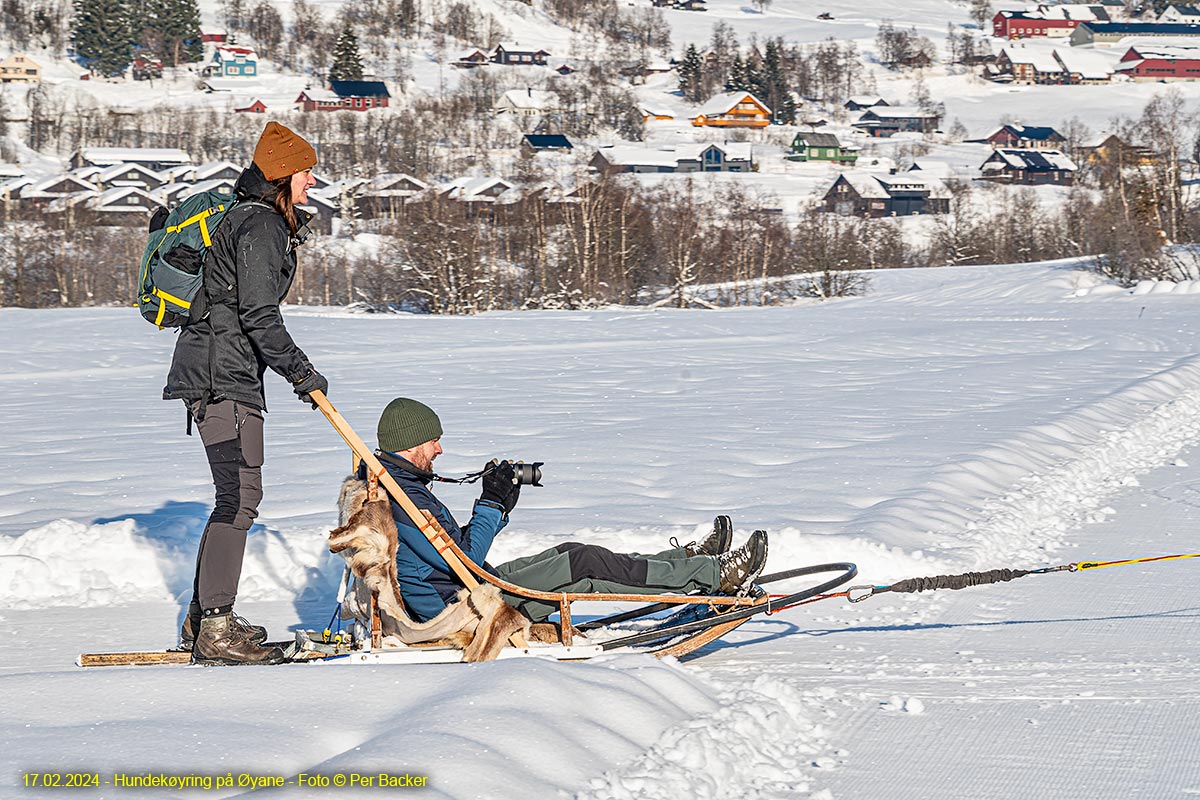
[857, 594]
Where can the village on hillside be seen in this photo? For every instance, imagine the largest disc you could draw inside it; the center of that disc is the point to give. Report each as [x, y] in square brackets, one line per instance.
[497, 114]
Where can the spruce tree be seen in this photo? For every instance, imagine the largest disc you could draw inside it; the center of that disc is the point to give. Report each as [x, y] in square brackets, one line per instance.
[738, 77]
[775, 85]
[347, 64]
[102, 33]
[172, 27]
[187, 20]
[690, 74]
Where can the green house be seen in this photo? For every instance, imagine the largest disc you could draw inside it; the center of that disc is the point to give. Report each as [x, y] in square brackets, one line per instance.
[821, 147]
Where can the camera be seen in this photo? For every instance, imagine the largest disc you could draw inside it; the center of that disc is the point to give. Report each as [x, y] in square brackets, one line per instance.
[528, 474]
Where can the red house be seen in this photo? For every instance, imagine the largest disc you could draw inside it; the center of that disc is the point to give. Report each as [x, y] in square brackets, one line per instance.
[345, 95]
[257, 107]
[1044, 20]
[1156, 62]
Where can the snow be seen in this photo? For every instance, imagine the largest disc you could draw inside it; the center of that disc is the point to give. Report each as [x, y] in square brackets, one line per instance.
[949, 420]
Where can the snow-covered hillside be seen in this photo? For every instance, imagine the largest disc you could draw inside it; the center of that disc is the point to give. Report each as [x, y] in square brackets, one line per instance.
[949, 420]
[970, 101]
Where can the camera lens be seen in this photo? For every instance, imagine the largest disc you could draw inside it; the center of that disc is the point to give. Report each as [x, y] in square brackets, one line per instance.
[529, 474]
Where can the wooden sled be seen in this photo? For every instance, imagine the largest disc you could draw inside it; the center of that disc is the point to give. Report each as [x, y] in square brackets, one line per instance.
[708, 617]
[697, 620]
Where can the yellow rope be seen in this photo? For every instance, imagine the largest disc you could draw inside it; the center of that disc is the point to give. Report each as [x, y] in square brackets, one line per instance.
[1082, 565]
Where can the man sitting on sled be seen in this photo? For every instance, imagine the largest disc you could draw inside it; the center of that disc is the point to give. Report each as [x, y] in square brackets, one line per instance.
[409, 436]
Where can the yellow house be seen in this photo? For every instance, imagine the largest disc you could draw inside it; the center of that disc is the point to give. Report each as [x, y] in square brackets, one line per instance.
[20, 69]
[733, 110]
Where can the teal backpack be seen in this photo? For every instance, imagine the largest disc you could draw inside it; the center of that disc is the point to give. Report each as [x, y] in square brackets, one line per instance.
[172, 271]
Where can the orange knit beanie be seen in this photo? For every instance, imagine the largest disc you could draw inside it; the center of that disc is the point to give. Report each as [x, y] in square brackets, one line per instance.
[281, 153]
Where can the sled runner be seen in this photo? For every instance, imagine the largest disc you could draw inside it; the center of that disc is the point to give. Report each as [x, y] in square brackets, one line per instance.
[694, 621]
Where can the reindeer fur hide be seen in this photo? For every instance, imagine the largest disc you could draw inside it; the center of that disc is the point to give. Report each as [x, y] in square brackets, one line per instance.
[479, 623]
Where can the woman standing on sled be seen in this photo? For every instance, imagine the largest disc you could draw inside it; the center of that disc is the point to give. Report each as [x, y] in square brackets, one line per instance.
[218, 369]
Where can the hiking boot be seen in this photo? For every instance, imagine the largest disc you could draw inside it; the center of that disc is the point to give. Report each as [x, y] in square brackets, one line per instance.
[715, 543]
[223, 641]
[741, 567]
[187, 633]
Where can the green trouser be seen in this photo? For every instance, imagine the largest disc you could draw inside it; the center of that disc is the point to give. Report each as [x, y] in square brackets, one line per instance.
[574, 567]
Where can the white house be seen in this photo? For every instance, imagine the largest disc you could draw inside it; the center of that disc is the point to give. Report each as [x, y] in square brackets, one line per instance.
[1186, 15]
[528, 102]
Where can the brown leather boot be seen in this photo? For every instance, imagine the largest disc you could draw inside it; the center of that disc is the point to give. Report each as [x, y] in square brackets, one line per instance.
[191, 624]
[222, 641]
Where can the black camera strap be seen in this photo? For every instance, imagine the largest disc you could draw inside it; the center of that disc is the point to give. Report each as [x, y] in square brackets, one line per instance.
[411, 468]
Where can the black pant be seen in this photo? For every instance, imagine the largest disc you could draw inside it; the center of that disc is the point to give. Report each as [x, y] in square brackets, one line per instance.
[233, 441]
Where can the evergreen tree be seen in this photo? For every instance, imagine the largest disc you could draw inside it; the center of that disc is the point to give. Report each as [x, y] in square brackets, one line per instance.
[347, 64]
[406, 19]
[102, 33]
[690, 74]
[187, 22]
[777, 92]
[738, 76]
[171, 28]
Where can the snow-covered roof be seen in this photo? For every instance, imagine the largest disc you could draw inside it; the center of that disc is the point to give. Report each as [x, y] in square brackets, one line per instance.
[390, 185]
[1031, 160]
[529, 98]
[209, 168]
[907, 181]
[87, 172]
[1074, 11]
[118, 199]
[1178, 51]
[39, 189]
[724, 103]
[671, 155]
[896, 112]
[651, 110]
[181, 172]
[1065, 11]
[1091, 64]
[107, 156]
[864, 184]
[119, 171]
[932, 169]
[316, 201]
[631, 155]
[11, 171]
[231, 52]
[475, 189]
[345, 185]
[320, 95]
[1183, 11]
[876, 186]
[169, 193]
[62, 202]
[214, 185]
[866, 100]
[517, 47]
[1040, 58]
[14, 185]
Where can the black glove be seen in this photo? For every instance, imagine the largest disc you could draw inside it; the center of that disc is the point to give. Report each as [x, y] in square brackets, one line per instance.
[310, 383]
[500, 485]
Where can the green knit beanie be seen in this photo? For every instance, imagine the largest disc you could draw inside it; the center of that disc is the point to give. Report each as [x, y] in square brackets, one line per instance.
[407, 423]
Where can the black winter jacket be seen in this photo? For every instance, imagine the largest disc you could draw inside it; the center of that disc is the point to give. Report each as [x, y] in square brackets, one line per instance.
[247, 275]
